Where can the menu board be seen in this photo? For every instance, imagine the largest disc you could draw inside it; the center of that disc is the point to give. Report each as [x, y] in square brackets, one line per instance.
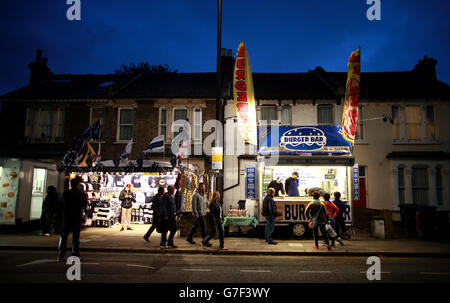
[9, 180]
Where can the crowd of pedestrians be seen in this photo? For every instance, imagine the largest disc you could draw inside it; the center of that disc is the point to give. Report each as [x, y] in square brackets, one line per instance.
[326, 216]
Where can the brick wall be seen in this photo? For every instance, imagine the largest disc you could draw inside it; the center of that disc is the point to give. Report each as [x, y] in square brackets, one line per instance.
[363, 216]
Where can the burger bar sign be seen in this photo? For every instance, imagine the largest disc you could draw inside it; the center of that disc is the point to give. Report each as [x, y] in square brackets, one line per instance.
[303, 139]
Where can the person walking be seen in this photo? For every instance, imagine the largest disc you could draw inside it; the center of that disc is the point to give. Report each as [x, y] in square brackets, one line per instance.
[74, 203]
[49, 209]
[126, 197]
[168, 218]
[316, 211]
[270, 212]
[332, 213]
[216, 219]
[340, 220]
[199, 209]
[291, 185]
[156, 206]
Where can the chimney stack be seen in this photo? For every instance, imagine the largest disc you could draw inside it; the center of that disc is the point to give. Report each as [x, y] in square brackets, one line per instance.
[426, 68]
[39, 69]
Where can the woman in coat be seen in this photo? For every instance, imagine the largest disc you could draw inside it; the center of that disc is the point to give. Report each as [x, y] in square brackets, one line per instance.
[316, 210]
[49, 209]
[216, 219]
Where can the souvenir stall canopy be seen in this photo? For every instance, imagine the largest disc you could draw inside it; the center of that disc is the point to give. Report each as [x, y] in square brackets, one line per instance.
[103, 185]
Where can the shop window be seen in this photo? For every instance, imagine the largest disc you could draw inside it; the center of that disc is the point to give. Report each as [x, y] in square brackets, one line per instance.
[126, 120]
[180, 115]
[269, 115]
[439, 196]
[286, 117]
[44, 125]
[401, 185]
[325, 114]
[163, 122]
[198, 124]
[420, 185]
[38, 192]
[359, 135]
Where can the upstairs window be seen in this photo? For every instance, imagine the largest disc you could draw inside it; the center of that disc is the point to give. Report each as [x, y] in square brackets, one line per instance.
[325, 114]
[198, 124]
[414, 123]
[180, 115]
[269, 114]
[286, 115]
[163, 122]
[44, 125]
[359, 135]
[126, 121]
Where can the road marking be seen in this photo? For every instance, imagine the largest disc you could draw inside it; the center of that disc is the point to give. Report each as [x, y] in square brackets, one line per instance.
[194, 269]
[137, 265]
[435, 273]
[43, 261]
[88, 263]
[254, 270]
[315, 272]
[295, 244]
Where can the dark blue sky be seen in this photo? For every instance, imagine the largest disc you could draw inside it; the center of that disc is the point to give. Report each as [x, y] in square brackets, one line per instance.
[281, 36]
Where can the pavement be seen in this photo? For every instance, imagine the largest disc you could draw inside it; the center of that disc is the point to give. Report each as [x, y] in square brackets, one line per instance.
[97, 239]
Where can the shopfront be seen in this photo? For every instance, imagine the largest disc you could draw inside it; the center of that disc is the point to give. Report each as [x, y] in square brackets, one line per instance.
[103, 185]
[321, 159]
[24, 185]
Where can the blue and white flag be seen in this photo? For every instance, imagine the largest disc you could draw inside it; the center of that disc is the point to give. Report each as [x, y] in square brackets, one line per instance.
[93, 132]
[127, 151]
[156, 145]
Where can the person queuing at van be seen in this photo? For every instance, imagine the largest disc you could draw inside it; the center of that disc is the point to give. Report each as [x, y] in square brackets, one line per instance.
[156, 206]
[316, 211]
[199, 209]
[332, 212]
[270, 212]
[340, 220]
[309, 191]
[291, 185]
[278, 186]
[216, 219]
[126, 197]
[169, 218]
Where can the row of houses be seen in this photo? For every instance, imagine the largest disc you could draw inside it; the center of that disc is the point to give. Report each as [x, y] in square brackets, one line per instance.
[403, 138]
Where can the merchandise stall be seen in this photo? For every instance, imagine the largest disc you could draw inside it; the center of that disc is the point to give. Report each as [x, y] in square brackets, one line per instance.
[103, 185]
[320, 157]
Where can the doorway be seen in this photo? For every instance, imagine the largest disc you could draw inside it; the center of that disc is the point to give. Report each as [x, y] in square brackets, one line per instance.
[38, 192]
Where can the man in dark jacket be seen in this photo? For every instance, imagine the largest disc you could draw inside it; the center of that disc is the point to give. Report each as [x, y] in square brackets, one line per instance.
[75, 202]
[49, 209]
[156, 206]
[270, 212]
[169, 218]
[340, 220]
[278, 186]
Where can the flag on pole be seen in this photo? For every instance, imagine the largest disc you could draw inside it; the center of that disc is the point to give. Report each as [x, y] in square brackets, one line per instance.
[156, 145]
[244, 98]
[127, 151]
[88, 157]
[350, 113]
[75, 152]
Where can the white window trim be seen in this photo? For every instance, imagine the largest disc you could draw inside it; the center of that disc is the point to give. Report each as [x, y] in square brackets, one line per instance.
[118, 125]
[167, 123]
[265, 122]
[280, 110]
[195, 123]
[172, 134]
[423, 125]
[332, 114]
[363, 125]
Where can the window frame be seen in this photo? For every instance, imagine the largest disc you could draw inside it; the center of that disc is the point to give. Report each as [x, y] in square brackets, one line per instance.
[32, 131]
[174, 134]
[416, 187]
[321, 106]
[119, 124]
[266, 122]
[166, 125]
[196, 123]
[401, 123]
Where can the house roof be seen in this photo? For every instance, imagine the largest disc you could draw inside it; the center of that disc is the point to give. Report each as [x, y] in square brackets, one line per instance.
[315, 84]
[396, 85]
[67, 86]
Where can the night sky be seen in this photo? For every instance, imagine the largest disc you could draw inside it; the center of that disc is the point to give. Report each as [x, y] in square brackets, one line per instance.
[281, 36]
